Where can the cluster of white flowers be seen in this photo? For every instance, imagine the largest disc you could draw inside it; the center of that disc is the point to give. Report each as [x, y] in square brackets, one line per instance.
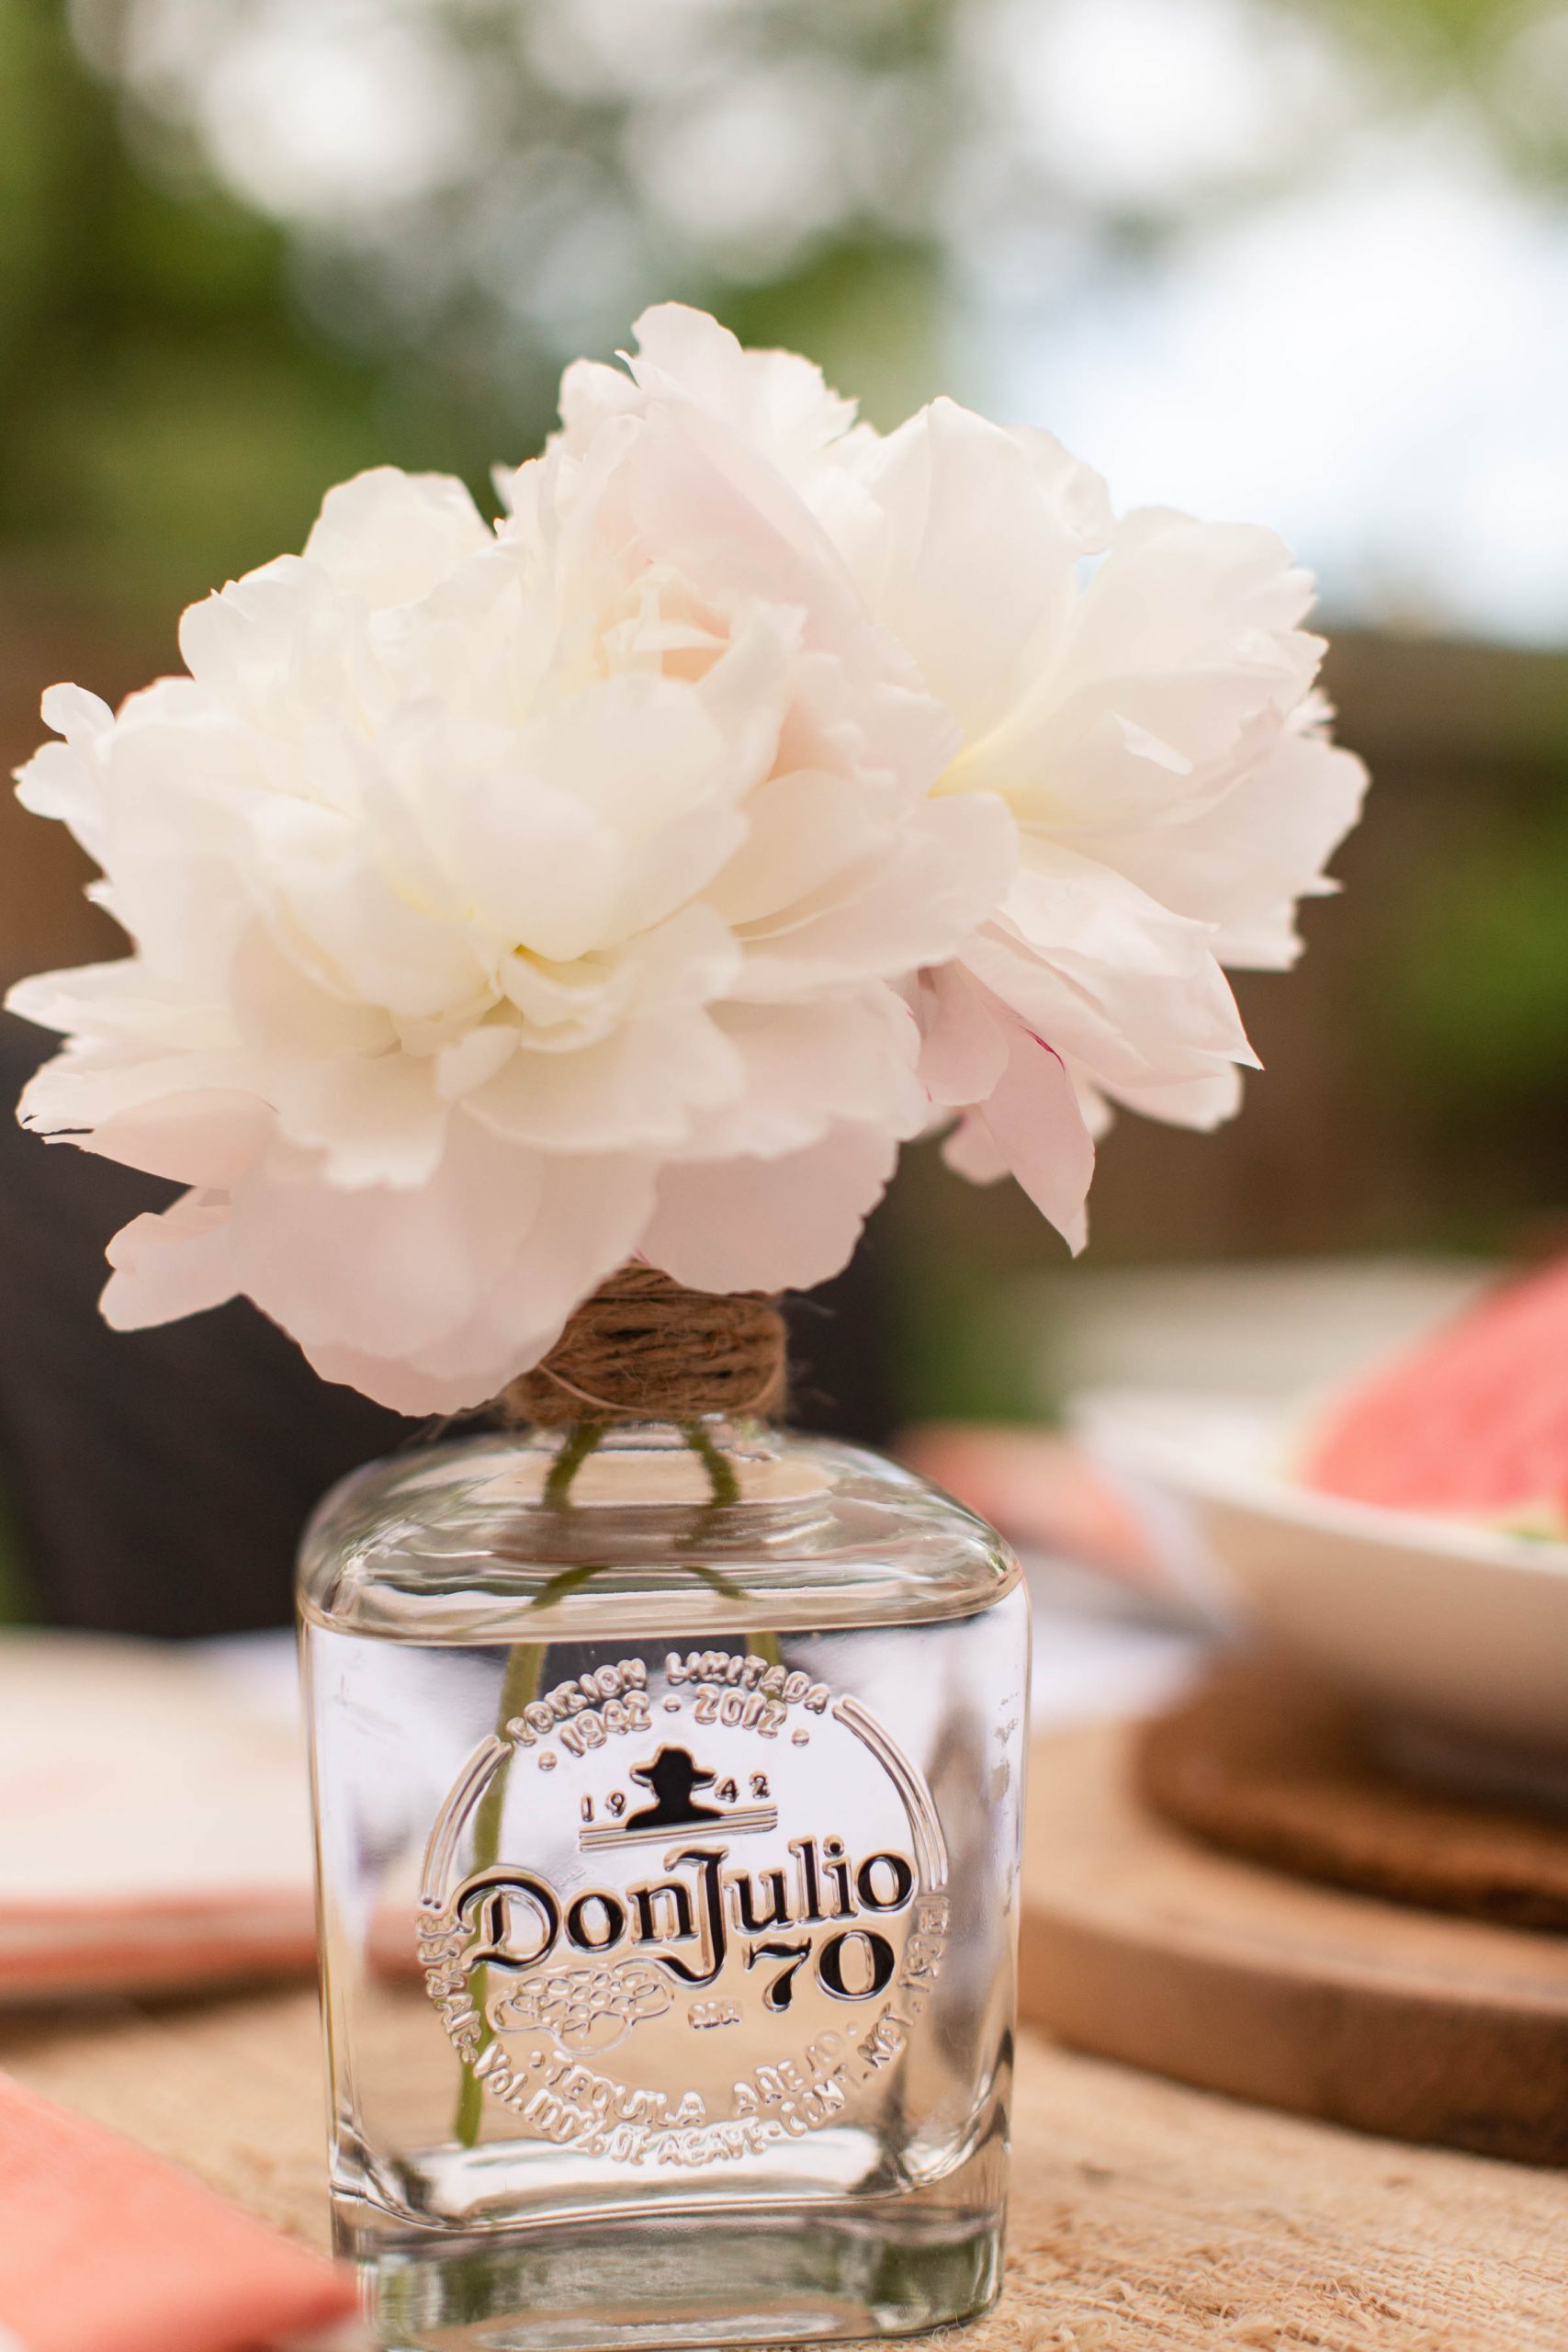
[631, 876]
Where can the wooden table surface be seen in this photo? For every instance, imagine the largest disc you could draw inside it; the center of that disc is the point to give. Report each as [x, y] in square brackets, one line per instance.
[1144, 2215]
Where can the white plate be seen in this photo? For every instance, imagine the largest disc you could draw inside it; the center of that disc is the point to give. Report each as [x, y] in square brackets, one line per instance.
[1453, 1625]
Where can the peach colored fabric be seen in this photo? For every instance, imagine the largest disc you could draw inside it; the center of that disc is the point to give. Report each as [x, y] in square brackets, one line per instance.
[1038, 1488]
[104, 2248]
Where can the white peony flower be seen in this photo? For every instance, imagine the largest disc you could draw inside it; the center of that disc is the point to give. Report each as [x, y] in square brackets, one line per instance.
[1137, 692]
[507, 902]
[634, 875]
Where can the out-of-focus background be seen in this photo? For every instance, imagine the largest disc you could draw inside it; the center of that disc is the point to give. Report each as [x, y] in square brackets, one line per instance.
[1301, 262]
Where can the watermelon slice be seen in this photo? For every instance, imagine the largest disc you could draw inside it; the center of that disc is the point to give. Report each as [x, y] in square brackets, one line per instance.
[1472, 1423]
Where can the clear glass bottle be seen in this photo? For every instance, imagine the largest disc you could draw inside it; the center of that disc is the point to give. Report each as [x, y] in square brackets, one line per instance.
[668, 1795]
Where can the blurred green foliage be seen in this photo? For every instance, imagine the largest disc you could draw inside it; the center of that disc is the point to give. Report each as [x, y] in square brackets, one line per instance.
[1478, 981]
[172, 408]
[164, 416]
[180, 377]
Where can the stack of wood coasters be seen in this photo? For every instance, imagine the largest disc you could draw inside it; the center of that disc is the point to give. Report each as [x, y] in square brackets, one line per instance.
[1247, 1895]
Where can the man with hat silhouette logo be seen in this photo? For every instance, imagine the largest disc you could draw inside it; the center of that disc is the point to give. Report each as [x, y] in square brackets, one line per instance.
[673, 1776]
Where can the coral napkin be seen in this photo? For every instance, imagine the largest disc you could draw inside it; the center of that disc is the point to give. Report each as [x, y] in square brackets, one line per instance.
[104, 2248]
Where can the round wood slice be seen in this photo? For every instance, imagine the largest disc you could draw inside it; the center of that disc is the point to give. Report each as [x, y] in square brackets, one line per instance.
[1143, 1945]
[1270, 1763]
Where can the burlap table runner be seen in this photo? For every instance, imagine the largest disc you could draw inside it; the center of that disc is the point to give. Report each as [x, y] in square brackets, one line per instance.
[1145, 2215]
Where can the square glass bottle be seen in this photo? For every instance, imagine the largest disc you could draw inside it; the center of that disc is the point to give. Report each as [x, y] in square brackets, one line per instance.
[668, 1785]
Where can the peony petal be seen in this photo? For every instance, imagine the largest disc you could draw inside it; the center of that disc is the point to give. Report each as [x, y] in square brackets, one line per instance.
[474, 1059]
[967, 548]
[940, 872]
[282, 1011]
[390, 536]
[1033, 1119]
[1171, 675]
[776, 400]
[804, 1067]
[383, 1270]
[63, 782]
[769, 1223]
[87, 1088]
[241, 645]
[1202, 1102]
[1242, 864]
[77, 714]
[972, 1152]
[176, 1263]
[124, 1001]
[1108, 976]
[584, 1220]
[804, 830]
[205, 1137]
[964, 1036]
[637, 1090]
[376, 1118]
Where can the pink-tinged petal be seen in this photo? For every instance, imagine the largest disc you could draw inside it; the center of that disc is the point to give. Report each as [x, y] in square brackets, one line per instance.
[769, 1223]
[805, 831]
[1202, 1103]
[638, 1090]
[1172, 588]
[967, 548]
[711, 505]
[88, 1087]
[964, 1037]
[972, 1152]
[1169, 680]
[65, 781]
[206, 1137]
[1114, 979]
[779, 402]
[1033, 1120]
[1242, 864]
[583, 1219]
[944, 867]
[591, 396]
[807, 1066]
[176, 1263]
[383, 1270]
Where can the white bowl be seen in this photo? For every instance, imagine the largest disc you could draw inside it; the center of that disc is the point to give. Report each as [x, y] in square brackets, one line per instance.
[1454, 1627]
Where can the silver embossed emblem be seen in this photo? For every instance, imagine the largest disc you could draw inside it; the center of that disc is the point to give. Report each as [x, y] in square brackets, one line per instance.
[715, 1906]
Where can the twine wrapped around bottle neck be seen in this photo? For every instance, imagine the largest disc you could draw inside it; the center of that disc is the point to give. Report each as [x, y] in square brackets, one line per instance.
[644, 1348]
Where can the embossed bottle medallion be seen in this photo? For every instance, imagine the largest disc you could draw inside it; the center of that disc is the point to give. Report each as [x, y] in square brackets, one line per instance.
[677, 1953]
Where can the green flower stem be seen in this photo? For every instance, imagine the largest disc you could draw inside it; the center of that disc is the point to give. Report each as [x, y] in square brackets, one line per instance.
[519, 1685]
[580, 1441]
[723, 1484]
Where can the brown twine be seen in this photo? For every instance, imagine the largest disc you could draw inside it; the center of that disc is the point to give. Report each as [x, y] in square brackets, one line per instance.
[643, 1348]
